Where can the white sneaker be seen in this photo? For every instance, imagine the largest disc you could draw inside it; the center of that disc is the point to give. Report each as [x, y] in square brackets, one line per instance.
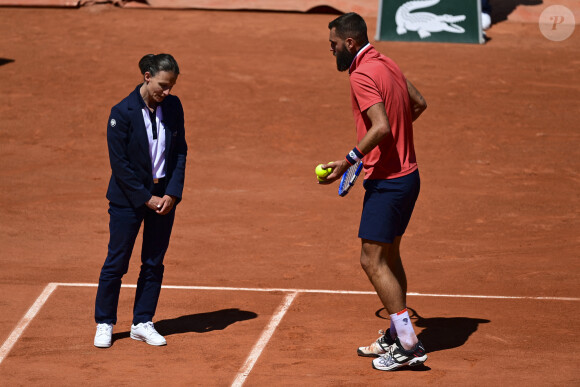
[485, 21]
[146, 332]
[103, 337]
[378, 347]
[397, 357]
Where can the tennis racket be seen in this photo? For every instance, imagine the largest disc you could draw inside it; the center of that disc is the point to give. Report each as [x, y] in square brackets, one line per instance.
[349, 177]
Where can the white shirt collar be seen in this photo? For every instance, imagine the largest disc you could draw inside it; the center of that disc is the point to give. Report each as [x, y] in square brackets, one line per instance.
[365, 47]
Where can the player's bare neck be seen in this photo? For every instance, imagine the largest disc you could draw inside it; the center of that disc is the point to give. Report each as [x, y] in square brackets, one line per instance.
[149, 101]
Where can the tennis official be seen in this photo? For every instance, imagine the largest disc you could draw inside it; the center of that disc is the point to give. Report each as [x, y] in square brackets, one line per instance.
[147, 151]
[384, 105]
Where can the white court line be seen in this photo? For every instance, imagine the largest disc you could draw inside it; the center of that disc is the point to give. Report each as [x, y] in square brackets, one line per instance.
[23, 323]
[263, 340]
[495, 297]
[323, 291]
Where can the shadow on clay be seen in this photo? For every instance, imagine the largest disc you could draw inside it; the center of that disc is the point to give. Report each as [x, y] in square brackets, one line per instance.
[4, 61]
[441, 333]
[199, 322]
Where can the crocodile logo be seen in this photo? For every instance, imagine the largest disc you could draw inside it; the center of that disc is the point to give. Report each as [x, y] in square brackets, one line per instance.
[425, 23]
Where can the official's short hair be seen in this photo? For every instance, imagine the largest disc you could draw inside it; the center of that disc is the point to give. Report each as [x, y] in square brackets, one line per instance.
[160, 62]
[350, 25]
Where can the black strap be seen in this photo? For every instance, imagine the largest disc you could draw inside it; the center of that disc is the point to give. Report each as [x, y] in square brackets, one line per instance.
[153, 119]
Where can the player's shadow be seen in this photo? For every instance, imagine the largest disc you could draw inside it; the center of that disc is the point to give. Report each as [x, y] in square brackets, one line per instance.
[324, 9]
[199, 322]
[4, 61]
[501, 9]
[440, 333]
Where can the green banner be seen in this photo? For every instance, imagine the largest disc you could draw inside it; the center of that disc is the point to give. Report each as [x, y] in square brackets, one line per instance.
[455, 21]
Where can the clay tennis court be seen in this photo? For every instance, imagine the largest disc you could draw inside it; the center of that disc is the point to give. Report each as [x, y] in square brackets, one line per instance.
[263, 282]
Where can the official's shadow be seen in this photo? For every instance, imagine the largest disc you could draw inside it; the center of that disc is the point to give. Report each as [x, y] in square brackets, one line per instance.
[441, 333]
[199, 322]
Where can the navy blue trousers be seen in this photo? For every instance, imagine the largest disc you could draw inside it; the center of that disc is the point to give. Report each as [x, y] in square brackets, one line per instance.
[124, 225]
[485, 7]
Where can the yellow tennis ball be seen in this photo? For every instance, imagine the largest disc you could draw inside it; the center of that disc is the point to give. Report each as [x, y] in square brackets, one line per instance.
[322, 173]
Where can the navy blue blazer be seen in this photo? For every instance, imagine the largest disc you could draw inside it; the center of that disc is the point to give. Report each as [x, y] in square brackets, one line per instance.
[131, 180]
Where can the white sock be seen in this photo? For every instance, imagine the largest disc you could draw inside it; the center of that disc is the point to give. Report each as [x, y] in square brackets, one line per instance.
[404, 328]
[393, 330]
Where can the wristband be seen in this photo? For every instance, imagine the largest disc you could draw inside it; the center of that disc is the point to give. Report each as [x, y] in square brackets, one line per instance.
[354, 156]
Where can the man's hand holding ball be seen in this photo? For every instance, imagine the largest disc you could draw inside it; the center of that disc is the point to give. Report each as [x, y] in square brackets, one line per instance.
[321, 172]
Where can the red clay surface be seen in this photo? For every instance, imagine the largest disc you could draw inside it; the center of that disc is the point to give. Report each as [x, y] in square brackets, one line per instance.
[497, 215]
[363, 7]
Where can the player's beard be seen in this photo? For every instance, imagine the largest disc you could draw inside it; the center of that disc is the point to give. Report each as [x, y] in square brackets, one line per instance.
[344, 59]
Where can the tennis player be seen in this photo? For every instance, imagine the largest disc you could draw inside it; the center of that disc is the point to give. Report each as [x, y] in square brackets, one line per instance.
[384, 105]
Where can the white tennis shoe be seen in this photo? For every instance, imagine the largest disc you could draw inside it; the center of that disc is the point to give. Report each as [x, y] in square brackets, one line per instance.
[146, 332]
[397, 357]
[378, 347]
[104, 335]
[485, 21]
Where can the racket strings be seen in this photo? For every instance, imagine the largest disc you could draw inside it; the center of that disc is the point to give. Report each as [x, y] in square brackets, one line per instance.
[350, 173]
[347, 180]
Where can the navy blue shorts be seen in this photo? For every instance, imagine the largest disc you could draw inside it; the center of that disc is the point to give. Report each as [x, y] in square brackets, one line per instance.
[388, 206]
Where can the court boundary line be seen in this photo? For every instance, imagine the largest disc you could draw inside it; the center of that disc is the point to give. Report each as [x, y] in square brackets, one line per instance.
[325, 291]
[263, 340]
[26, 319]
[266, 334]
